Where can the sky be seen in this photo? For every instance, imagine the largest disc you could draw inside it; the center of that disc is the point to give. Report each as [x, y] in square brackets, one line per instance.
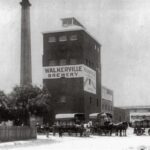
[121, 26]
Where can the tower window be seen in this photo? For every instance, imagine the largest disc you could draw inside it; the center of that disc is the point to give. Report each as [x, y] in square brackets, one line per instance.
[63, 62]
[86, 62]
[89, 81]
[90, 100]
[92, 64]
[52, 62]
[73, 37]
[62, 38]
[103, 106]
[97, 101]
[73, 61]
[51, 39]
[62, 99]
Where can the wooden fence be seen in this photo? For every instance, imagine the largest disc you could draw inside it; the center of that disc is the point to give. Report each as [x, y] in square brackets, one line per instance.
[14, 133]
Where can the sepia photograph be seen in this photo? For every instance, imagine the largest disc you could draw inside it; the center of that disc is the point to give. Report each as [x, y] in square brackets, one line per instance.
[75, 74]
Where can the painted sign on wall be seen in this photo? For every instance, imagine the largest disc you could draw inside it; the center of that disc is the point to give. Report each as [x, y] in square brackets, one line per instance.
[107, 94]
[73, 71]
[89, 80]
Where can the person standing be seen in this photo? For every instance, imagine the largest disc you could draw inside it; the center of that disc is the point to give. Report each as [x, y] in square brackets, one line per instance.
[47, 130]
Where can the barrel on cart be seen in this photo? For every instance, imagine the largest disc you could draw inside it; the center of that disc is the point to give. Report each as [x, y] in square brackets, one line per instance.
[69, 123]
[99, 121]
[141, 126]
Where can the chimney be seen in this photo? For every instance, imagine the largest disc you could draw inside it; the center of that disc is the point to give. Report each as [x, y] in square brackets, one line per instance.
[25, 70]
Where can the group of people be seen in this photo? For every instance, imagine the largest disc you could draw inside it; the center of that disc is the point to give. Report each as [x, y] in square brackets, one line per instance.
[83, 129]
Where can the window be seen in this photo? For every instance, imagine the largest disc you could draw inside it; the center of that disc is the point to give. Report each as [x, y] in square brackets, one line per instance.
[51, 39]
[89, 63]
[52, 62]
[67, 22]
[63, 99]
[62, 38]
[89, 81]
[103, 106]
[110, 108]
[92, 64]
[97, 102]
[73, 37]
[73, 61]
[63, 62]
[86, 61]
[95, 47]
[90, 100]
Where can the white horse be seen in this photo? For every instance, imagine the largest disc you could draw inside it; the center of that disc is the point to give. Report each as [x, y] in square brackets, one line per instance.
[87, 128]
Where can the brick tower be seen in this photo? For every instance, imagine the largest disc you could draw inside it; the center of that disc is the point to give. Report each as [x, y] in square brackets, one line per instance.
[72, 68]
[25, 70]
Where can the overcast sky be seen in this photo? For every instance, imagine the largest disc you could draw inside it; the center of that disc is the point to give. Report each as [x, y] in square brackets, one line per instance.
[121, 26]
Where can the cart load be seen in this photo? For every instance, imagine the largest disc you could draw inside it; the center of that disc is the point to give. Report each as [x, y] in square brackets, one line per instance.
[140, 126]
[69, 123]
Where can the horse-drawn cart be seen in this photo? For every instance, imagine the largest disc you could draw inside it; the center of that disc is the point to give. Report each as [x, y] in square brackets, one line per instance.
[140, 127]
[69, 123]
[99, 123]
[102, 125]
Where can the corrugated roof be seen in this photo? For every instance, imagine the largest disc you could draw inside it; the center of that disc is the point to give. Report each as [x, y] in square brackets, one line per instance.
[94, 115]
[64, 29]
[134, 107]
[66, 116]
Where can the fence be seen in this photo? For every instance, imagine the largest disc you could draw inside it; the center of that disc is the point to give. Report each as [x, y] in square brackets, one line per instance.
[14, 133]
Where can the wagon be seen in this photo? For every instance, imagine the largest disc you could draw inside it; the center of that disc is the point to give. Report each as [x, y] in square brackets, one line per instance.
[98, 122]
[140, 126]
[69, 123]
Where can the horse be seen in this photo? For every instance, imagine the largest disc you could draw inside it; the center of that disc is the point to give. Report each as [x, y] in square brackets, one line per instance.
[87, 128]
[121, 128]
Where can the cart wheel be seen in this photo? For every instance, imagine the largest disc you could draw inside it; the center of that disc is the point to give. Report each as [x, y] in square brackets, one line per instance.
[148, 131]
[139, 132]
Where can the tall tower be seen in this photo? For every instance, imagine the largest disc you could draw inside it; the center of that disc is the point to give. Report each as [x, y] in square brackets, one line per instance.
[25, 70]
[72, 68]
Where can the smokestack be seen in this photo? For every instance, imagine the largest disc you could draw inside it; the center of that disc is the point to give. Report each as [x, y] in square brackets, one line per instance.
[25, 70]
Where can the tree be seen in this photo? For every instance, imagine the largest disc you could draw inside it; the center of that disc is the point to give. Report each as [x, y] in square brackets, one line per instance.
[3, 107]
[19, 101]
[41, 105]
[3, 100]
[29, 100]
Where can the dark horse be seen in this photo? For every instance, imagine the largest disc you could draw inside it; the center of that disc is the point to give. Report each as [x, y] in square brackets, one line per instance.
[121, 128]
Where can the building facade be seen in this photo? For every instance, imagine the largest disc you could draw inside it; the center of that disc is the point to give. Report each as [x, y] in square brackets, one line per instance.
[72, 69]
[107, 100]
[120, 115]
[137, 113]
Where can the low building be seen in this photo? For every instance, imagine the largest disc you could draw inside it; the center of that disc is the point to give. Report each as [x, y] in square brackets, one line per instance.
[137, 112]
[131, 113]
[120, 114]
[107, 100]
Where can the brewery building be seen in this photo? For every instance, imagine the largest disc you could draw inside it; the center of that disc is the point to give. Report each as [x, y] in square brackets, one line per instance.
[72, 68]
